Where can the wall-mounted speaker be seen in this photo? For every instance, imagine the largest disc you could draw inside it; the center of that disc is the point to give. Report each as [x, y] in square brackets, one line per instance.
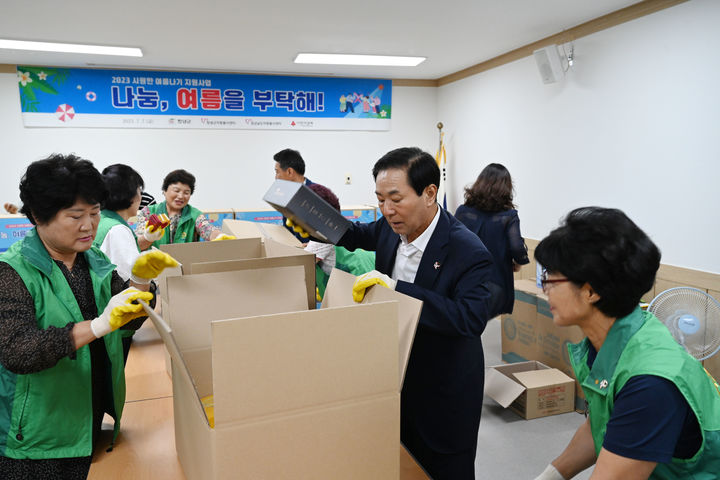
[549, 64]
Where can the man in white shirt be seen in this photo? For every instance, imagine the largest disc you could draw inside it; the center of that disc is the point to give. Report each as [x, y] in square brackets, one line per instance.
[423, 251]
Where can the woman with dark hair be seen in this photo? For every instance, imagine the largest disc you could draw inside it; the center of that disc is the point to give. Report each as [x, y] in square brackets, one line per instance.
[653, 411]
[114, 236]
[489, 212]
[187, 223]
[58, 295]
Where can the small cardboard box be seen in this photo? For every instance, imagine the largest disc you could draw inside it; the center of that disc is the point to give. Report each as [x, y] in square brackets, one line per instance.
[247, 229]
[531, 389]
[529, 333]
[304, 207]
[297, 394]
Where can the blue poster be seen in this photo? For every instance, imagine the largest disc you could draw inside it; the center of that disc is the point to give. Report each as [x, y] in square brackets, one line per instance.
[62, 97]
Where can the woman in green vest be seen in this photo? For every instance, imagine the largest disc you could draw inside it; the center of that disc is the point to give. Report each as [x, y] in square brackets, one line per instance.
[653, 410]
[61, 365]
[114, 236]
[187, 223]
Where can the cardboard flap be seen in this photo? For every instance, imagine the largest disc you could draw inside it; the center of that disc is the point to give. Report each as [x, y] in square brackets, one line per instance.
[541, 378]
[199, 299]
[241, 228]
[500, 388]
[339, 293]
[247, 229]
[285, 362]
[166, 334]
[196, 252]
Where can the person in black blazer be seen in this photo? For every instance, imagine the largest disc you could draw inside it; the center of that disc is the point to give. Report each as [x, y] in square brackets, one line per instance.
[423, 251]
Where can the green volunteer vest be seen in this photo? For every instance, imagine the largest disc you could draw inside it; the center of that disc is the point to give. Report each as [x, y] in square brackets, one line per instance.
[108, 219]
[185, 231]
[48, 414]
[357, 262]
[640, 344]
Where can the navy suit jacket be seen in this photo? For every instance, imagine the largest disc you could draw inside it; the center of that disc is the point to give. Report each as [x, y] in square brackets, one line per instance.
[443, 391]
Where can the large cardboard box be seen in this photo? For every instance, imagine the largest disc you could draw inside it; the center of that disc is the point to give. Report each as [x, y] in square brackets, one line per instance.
[304, 207]
[298, 393]
[531, 389]
[243, 253]
[529, 333]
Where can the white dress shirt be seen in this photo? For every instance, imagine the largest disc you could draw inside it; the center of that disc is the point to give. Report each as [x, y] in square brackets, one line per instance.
[407, 260]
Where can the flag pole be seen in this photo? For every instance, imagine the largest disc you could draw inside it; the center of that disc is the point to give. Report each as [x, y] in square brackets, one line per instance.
[441, 159]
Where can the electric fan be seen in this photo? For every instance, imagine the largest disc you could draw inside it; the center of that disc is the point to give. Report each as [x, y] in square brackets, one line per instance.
[693, 318]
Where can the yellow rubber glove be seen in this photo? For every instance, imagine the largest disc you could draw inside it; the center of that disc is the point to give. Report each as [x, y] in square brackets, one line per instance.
[119, 311]
[208, 403]
[155, 227]
[150, 264]
[224, 236]
[297, 228]
[366, 280]
[318, 298]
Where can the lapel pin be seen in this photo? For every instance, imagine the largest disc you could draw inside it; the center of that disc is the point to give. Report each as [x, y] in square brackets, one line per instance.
[436, 265]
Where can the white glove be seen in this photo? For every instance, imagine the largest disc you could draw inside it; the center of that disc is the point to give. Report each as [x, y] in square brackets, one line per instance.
[366, 280]
[550, 473]
[119, 311]
[155, 227]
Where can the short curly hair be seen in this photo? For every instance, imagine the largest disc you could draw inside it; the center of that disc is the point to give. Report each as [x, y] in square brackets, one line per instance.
[326, 194]
[56, 183]
[604, 248]
[179, 176]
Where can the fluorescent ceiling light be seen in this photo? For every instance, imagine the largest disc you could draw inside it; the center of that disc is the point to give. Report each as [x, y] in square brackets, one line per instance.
[70, 48]
[343, 59]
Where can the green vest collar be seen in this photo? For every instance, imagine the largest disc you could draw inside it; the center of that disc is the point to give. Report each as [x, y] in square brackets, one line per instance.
[34, 251]
[603, 368]
[185, 214]
[114, 216]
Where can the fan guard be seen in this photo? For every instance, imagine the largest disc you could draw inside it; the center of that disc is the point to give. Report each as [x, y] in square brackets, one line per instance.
[693, 318]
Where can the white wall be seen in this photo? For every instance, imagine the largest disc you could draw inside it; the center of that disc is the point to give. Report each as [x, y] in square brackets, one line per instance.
[635, 125]
[234, 168]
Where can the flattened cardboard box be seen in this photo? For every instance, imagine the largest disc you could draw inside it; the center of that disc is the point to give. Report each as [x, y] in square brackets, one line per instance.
[304, 207]
[302, 394]
[531, 389]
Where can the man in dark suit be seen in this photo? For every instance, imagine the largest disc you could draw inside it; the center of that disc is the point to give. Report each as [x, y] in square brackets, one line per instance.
[423, 251]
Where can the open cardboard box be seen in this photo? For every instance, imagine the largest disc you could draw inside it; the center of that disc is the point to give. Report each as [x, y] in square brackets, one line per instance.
[298, 393]
[529, 333]
[240, 254]
[531, 389]
[247, 229]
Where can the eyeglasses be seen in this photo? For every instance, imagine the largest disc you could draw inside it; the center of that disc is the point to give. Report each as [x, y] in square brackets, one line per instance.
[544, 281]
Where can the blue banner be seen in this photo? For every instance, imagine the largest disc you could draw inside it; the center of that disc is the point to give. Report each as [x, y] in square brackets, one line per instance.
[60, 97]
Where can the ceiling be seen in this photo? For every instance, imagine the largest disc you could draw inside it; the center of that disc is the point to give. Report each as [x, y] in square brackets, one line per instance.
[265, 36]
